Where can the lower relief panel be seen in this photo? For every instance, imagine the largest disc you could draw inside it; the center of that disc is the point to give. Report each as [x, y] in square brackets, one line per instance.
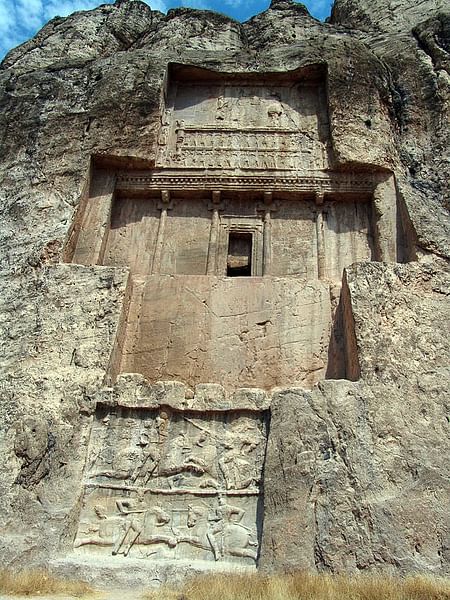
[170, 485]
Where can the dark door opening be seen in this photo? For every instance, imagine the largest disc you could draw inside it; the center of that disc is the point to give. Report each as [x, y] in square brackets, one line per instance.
[239, 259]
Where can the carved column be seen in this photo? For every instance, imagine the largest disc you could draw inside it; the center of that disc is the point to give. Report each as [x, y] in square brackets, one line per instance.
[214, 206]
[164, 206]
[385, 225]
[89, 235]
[320, 236]
[267, 207]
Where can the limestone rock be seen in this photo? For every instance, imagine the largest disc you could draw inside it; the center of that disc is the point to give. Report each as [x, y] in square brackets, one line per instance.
[413, 45]
[358, 460]
[302, 402]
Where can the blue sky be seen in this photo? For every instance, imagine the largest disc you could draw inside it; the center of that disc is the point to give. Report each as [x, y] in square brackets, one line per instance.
[21, 19]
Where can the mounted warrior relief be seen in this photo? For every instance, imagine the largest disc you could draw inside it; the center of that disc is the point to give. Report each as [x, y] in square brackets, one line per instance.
[163, 484]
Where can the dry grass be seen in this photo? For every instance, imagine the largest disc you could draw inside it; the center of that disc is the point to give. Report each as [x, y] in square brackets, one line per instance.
[38, 583]
[303, 586]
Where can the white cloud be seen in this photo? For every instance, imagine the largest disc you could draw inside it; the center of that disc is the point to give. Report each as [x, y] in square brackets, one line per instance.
[235, 3]
[10, 30]
[3, 20]
[157, 5]
[63, 8]
[21, 19]
[29, 13]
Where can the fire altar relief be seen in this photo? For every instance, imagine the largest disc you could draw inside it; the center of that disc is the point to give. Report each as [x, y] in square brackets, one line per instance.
[246, 126]
[163, 484]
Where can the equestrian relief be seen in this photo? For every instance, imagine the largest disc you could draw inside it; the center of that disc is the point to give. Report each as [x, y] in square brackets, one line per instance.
[165, 484]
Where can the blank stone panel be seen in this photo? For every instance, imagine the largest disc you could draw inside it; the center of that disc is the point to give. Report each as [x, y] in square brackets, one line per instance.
[293, 240]
[186, 238]
[237, 331]
[133, 233]
[347, 236]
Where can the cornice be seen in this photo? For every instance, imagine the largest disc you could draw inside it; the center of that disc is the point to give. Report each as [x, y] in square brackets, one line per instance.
[317, 181]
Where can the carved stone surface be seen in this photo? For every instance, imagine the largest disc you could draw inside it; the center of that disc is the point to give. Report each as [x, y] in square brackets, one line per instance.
[247, 127]
[355, 470]
[187, 241]
[241, 332]
[332, 183]
[165, 484]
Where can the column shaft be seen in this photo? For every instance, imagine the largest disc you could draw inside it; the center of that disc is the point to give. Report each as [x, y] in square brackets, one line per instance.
[320, 245]
[156, 264]
[212, 248]
[267, 241]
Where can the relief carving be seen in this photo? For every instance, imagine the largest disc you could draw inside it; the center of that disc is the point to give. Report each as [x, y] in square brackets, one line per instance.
[180, 136]
[164, 131]
[33, 445]
[222, 108]
[170, 484]
[271, 127]
[239, 149]
[275, 110]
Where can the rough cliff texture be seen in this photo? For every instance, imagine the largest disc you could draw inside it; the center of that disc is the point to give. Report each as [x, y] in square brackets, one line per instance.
[361, 463]
[411, 40]
[354, 474]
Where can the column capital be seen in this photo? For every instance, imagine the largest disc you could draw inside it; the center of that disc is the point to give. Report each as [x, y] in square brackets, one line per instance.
[215, 203]
[319, 198]
[268, 197]
[268, 204]
[166, 202]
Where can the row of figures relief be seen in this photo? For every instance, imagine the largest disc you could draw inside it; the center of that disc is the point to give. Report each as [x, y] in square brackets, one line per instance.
[173, 451]
[212, 529]
[243, 150]
[231, 141]
[291, 161]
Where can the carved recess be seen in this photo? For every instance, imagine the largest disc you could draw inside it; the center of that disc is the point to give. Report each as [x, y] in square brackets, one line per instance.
[165, 484]
[245, 126]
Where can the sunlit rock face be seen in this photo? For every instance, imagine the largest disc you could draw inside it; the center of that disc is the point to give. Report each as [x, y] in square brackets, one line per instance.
[225, 292]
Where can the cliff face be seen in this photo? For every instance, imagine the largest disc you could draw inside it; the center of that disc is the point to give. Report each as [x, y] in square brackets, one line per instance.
[413, 44]
[354, 472]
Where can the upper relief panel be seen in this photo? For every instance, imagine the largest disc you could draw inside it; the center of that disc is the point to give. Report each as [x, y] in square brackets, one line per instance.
[266, 123]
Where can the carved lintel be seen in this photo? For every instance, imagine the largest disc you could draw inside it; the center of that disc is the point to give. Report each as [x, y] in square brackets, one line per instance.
[354, 184]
